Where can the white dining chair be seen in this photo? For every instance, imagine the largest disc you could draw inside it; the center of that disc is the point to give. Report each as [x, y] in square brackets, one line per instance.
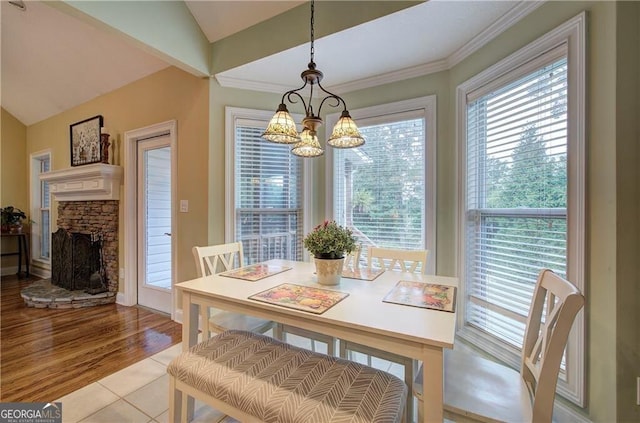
[405, 261]
[481, 389]
[215, 259]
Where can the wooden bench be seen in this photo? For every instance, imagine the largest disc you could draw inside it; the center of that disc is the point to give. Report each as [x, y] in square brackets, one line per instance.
[255, 378]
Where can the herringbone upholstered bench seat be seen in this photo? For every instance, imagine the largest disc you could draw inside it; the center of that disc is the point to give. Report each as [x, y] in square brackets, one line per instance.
[255, 378]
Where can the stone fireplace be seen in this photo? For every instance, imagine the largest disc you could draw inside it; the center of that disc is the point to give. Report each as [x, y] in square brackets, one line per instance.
[84, 250]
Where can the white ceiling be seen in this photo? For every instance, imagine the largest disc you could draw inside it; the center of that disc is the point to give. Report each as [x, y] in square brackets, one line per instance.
[52, 62]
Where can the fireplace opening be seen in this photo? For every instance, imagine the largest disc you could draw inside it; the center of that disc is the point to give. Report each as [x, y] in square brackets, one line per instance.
[76, 261]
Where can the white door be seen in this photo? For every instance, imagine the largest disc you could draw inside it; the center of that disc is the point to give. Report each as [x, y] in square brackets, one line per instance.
[154, 223]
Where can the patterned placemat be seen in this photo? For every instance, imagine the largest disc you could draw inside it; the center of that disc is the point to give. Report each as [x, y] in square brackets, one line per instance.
[361, 273]
[255, 272]
[423, 295]
[300, 297]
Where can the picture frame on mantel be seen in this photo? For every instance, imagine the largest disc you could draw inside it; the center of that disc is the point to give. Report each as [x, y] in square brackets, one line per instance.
[85, 141]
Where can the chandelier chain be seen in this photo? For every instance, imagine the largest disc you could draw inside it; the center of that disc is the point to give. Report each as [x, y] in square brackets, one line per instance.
[312, 35]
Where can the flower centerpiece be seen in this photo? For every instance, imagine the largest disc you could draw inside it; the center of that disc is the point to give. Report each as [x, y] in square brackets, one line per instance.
[328, 243]
[12, 218]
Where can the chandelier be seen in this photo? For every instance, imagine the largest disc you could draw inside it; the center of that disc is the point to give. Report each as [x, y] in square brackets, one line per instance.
[282, 128]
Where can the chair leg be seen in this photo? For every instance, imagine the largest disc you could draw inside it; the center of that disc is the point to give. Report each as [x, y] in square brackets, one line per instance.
[175, 401]
[204, 317]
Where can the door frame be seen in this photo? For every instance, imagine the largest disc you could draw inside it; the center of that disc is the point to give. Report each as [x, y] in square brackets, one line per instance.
[130, 212]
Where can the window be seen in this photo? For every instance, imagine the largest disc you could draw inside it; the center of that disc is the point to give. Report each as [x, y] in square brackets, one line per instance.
[523, 199]
[384, 191]
[266, 182]
[40, 213]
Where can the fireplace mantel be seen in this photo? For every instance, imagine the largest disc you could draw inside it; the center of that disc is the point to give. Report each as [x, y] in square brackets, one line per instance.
[85, 183]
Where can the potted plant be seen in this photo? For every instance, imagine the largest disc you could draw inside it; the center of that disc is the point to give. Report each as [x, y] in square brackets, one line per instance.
[12, 219]
[329, 243]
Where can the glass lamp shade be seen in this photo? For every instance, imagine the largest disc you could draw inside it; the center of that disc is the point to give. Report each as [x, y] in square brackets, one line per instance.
[282, 129]
[346, 133]
[309, 146]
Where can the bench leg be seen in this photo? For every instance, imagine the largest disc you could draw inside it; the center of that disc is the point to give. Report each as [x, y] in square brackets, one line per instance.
[181, 405]
[175, 400]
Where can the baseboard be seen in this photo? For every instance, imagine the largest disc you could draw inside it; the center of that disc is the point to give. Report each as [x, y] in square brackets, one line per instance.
[39, 272]
[177, 316]
[566, 413]
[8, 271]
[120, 299]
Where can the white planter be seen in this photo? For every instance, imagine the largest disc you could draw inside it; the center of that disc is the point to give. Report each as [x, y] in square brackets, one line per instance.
[329, 271]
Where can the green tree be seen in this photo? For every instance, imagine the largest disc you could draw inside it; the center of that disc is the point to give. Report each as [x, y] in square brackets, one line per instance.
[531, 179]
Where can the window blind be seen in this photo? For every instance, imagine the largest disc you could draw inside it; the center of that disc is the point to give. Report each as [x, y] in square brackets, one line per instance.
[516, 221]
[268, 196]
[45, 224]
[379, 188]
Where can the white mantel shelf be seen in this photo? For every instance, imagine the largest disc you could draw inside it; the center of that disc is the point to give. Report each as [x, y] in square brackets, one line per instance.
[85, 183]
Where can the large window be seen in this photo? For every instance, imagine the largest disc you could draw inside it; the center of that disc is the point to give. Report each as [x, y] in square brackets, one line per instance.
[40, 213]
[266, 181]
[384, 190]
[523, 208]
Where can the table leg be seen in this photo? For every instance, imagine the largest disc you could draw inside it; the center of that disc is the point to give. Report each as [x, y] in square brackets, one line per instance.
[432, 384]
[20, 254]
[26, 253]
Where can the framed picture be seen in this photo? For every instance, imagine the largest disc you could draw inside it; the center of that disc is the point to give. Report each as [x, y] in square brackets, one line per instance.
[85, 141]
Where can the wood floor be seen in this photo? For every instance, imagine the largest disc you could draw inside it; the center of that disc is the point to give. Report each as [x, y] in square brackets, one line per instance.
[46, 354]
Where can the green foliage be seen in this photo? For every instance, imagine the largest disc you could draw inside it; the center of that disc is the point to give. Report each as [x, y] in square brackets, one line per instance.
[330, 240]
[387, 204]
[12, 215]
[532, 178]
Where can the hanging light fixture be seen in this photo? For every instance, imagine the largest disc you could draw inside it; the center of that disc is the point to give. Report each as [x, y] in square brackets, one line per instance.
[282, 128]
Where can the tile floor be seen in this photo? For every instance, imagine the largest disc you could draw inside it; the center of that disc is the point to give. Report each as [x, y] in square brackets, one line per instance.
[139, 393]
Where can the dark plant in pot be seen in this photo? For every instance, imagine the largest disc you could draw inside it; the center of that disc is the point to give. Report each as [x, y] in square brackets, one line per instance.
[12, 218]
[329, 243]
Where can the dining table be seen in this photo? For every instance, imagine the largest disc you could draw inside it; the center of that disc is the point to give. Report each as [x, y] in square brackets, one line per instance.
[362, 314]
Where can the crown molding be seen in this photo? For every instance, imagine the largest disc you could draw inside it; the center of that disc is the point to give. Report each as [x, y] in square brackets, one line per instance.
[521, 10]
[492, 31]
[389, 77]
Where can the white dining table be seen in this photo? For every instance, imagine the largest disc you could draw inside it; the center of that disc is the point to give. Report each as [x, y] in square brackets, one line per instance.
[361, 317]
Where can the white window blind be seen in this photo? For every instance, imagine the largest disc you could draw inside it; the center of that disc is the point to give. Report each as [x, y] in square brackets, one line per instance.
[45, 224]
[268, 196]
[379, 188]
[516, 197]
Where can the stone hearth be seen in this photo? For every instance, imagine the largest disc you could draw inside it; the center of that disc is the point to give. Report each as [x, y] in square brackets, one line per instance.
[42, 294]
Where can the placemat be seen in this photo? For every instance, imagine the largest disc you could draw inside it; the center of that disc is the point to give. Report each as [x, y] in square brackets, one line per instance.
[300, 297]
[423, 295]
[255, 272]
[364, 273]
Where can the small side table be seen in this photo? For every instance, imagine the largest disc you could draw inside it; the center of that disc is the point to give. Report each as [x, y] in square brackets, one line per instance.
[23, 250]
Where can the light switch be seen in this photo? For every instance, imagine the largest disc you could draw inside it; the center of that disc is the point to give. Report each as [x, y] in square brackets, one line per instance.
[184, 206]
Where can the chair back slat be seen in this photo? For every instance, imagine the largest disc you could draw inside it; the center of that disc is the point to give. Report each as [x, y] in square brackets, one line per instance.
[406, 260]
[555, 304]
[353, 258]
[217, 258]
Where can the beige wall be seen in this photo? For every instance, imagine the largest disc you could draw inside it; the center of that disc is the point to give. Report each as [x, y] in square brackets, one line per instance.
[14, 182]
[166, 95]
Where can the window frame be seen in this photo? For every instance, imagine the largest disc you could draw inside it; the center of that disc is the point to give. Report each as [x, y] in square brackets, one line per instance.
[571, 34]
[232, 115]
[428, 105]
[36, 208]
